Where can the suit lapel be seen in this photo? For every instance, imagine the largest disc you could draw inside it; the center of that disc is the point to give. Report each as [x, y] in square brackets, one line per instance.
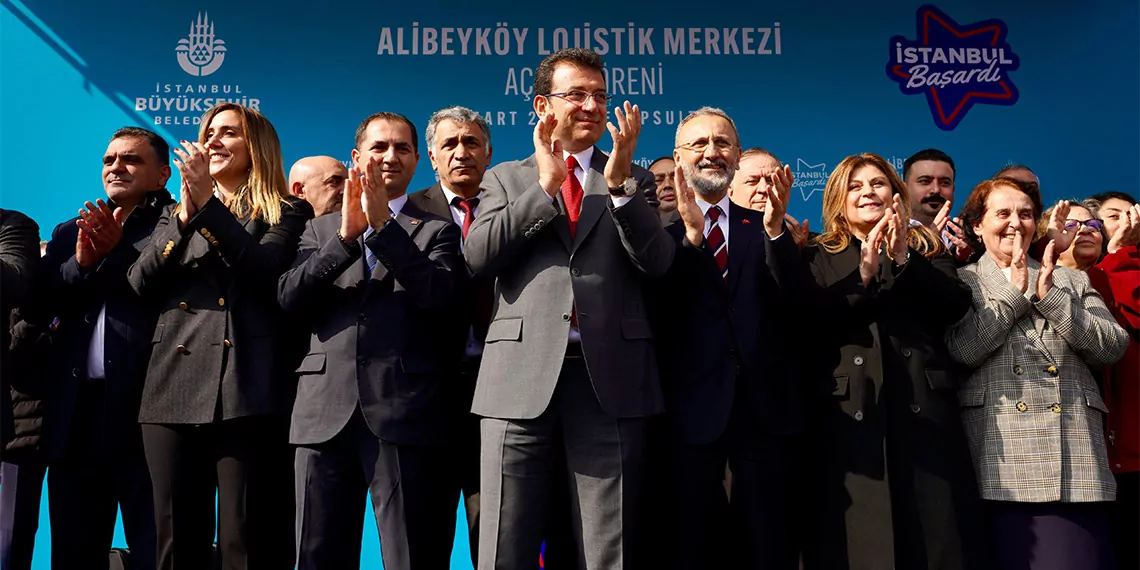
[436, 202]
[740, 238]
[596, 195]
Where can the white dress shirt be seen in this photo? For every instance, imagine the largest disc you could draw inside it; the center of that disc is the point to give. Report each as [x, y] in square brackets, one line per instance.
[95, 354]
[583, 172]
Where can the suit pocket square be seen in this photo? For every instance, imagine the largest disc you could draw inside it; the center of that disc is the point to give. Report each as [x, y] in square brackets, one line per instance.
[312, 364]
[509, 328]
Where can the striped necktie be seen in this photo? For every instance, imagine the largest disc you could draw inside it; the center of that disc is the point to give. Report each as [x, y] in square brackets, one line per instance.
[715, 238]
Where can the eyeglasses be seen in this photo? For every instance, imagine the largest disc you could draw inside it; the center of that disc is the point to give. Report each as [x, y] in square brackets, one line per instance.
[721, 144]
[1095, 225]
[578, 97]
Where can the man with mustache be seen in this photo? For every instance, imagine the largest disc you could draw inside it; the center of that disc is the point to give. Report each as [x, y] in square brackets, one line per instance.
[730, 392]
[318, 180]
[568, 366]
[662, 170]
[929, 178]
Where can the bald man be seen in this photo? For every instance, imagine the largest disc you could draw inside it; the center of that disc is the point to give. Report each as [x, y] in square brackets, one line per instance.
[319, 180]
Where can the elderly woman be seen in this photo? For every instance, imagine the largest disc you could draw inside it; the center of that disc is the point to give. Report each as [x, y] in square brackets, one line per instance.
[890, 475]
[1105, 248]
[1031, 408]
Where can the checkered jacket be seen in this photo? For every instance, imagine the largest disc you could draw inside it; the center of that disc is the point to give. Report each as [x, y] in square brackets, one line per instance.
[1031, 408]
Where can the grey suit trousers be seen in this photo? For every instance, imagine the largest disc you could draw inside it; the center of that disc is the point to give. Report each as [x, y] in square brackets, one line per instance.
[604, 461]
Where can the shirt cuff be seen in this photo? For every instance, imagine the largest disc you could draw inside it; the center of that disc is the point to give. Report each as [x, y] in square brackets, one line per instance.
[620, 201]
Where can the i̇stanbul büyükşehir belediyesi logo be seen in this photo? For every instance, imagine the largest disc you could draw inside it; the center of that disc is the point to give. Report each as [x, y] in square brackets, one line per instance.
[201, 53]
[955, 66]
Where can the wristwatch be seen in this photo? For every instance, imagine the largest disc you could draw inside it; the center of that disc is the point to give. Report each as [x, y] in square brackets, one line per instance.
[628, 188]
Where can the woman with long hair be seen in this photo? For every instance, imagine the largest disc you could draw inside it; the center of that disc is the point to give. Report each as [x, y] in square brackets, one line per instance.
[891, 471]
[216, 384]
[1032, 412]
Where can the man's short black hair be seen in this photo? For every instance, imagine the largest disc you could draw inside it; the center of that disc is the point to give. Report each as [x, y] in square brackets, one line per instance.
[161, 149]
[387, 116]
[578, 57]
[660, 159]
[928, 154]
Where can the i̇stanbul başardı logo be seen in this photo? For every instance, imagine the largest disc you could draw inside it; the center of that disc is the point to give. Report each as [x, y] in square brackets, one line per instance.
[954, 65]
[201, 53]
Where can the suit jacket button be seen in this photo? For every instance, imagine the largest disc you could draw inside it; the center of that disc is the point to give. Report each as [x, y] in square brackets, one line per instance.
[75, 372]
[362, 317]
[183, 305]
[182, 348]
[858, 415]
[1052, 370]
[1055, 408]
[1017, 370]
[906, 352]
[221, 302]
[575, 272]
[566, 316]
[858, 360]
[915, 408]
[227, 343]
[362, 362]
[1022, 407]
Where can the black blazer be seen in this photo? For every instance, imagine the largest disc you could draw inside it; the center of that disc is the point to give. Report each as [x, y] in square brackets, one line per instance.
[375, 342]
[474, 293]
[717, 340]
[75, 296]
[220, 331]
[19, 252]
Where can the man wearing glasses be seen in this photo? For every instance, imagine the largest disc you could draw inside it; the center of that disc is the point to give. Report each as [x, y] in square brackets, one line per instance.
[568, 366]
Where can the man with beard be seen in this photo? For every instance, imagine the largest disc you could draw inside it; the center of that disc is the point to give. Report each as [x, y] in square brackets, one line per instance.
[729, 391]
[569, 366]
[929, 178]
[662, 170]
[318, 180]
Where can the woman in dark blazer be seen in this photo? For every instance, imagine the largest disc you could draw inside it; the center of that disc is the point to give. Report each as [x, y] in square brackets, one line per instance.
[891, 484]
[216, 386]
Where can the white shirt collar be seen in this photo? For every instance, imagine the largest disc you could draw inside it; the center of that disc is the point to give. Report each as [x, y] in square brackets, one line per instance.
[451, 196]
[723, 203]
[583, 157]
[397, 204]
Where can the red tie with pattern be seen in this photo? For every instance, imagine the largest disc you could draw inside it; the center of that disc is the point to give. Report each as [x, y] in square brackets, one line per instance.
[716, 242]
[468, 207]
[572, 194]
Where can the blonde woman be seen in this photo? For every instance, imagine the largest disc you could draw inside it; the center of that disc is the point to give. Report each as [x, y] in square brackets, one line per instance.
[216, 386]
[890, 469]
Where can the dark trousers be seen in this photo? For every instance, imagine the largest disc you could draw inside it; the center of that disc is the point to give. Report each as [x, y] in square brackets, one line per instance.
[1125, 521]
[413, 502]
[1049, 536]
[91, 483]
[188, 464]
[20, 488]
[603, 456]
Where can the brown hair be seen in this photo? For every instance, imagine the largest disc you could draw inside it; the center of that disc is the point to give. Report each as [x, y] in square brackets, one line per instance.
[837, 233]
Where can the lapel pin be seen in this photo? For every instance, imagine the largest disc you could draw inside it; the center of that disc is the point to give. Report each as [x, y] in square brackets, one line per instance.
[414, 222]
[746, 221]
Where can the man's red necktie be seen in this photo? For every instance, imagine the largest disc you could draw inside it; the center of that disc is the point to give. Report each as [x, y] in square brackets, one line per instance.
[572, 194]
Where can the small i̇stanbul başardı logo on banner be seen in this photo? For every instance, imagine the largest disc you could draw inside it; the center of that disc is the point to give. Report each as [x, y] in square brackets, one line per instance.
[955, 66]
[201, 53]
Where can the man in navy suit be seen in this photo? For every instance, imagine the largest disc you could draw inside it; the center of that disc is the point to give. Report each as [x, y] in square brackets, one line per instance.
[101, 346]
[373, 282]
[731, 392]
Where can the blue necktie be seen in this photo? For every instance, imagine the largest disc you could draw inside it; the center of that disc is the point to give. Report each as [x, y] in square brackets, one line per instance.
[369, 257]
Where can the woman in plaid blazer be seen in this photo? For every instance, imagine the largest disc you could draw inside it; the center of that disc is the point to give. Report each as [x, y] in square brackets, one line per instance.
[1032, 412]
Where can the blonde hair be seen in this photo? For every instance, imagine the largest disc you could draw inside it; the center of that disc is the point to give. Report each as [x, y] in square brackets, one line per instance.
[265, 190]
[837, 231]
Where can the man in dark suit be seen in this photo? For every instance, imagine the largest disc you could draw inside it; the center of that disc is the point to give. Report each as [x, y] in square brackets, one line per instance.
[373, 282]
[18, 237]
[730, 392]
[100, 347]
[568, 365]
